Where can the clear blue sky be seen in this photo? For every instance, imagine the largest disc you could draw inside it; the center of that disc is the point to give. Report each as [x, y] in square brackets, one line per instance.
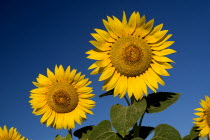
[35, 35]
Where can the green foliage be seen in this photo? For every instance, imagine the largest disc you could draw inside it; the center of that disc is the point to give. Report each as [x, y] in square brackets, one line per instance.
[111, 92]
[84, 132]
[193, 134]
[123, 118]
[68, 137]
[166, 132]
[137, 139]
[157, 102]
[103, 131]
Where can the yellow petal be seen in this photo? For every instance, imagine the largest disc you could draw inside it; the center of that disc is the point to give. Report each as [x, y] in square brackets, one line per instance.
[40, 90]
[159, 70]
[109, 29]
[163, 46]
[117, 26]
[131, 26]
[162, 59]
[147, 28]
[124, 19]
[138, 19]
[155, 76]
[51, 76]
[107, 73]
[111, 82]
[152, 38]
[140, 28]
[148, 84]
[138, 91]
[45, 116]
[98, 37]
[143, 85]
[104, 46]
[130, 86]
[98, 55]
[44, 80]
[123, 88]
[67, 73]
[161, 41]
[118, 86]
[103, 63]
[51, 118]
[164, 52]
[72, 75]
[92, 66]
[156, 29]
[151, 79]
[105, 35]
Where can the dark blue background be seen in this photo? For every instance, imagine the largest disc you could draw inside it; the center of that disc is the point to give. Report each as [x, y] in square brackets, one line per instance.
[35, 35]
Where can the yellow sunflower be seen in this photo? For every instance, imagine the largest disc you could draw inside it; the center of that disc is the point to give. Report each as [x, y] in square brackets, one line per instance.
[11, 134]
[62, 98]
[131, 55]
[203, 121]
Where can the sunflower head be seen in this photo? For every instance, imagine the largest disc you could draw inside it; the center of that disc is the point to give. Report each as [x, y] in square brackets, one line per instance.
[10, 134]
[62, 98]
[131, 55]
[203, 120]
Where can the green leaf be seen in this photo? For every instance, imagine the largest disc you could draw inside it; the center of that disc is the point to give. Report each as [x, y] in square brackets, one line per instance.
[157, 102]
[111, 92]
[166, 132]
[188, 137]
[103, 131]
[83, 133]
[193, 134]
[123, 118]
[68, 137]
[137, 139]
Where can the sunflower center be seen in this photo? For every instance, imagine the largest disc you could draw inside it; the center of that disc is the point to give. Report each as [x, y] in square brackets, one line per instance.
[63, 98]
[131, 56]
[132, 53]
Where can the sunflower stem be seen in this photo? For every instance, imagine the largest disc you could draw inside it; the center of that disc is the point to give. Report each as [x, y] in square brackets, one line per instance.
[127, 100]
[70, 132]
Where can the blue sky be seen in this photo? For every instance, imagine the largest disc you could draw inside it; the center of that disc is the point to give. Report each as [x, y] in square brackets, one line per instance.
[35, 35]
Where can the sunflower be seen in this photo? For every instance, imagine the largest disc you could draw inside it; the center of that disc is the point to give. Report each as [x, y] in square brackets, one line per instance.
[62, 98]
[203, 121]
[11, 134]
[131, 55]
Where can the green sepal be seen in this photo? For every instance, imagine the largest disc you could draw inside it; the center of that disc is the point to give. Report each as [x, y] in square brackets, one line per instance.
[68, 137]
[83, 132]
[124, 118]
[166, 132]
[103, 131]
[111, 92]
[157, 102]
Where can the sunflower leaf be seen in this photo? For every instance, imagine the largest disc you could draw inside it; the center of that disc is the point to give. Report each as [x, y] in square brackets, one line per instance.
[166, 132]
[157, 102]
[68, 137]
[193, 134]
[123, 118]
[103, 131]
[84, 132]
[111, 92]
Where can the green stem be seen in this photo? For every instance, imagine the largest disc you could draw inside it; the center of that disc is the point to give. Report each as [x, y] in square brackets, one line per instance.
[70, 132]
[140, 122]
[127, 101]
